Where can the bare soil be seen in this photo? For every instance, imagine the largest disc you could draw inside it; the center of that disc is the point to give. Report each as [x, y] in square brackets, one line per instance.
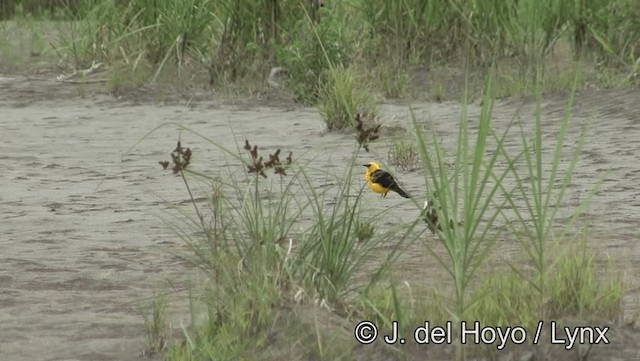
[81, 203]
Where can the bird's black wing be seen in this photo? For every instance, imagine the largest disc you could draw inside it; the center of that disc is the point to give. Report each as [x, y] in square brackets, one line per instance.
[383, 178]
[386, 180]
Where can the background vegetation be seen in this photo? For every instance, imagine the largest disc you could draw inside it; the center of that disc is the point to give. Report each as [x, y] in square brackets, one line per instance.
[391, 46]
[289, 271]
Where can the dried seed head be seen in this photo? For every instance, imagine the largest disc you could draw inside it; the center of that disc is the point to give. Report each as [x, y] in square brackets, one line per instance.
[259, 167]
[180, 157]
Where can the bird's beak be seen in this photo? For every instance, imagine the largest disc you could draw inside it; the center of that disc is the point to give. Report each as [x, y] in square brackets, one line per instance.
[366, 165]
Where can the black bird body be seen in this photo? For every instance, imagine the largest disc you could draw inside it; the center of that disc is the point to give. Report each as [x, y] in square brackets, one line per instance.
[381, 181]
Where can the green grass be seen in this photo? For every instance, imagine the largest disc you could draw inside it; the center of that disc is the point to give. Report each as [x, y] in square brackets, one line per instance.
[393, 81]
[574, 289]
[225, 43]
[403, 154]
[341, 97]
[364, 231]
[259, 265]
[465, 200]
[156, 328]
[542, 184]
[332, 254]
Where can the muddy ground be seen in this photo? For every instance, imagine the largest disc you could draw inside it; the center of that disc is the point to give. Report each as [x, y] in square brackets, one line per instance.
[81, 235]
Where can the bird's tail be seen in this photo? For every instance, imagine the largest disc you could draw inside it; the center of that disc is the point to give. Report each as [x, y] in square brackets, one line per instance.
[401, 192]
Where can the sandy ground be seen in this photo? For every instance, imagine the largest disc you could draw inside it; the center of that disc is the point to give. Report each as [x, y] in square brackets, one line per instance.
[80, 217]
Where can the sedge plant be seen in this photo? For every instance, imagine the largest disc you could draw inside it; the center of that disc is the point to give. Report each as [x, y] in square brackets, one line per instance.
[541, 187]
[564, 280]
[332, 254]
[255, 260]
[245, 251]
[465, 201]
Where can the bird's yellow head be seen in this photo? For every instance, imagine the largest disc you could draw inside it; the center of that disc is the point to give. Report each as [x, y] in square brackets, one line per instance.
[371, 167]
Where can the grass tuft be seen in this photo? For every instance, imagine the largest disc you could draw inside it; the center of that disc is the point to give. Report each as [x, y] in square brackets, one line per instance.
[364, 231]
[342, 97]
[155, 323]
[404, 155]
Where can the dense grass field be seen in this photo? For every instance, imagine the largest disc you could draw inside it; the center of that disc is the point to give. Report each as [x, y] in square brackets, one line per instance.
[386, 48]
[277, 292]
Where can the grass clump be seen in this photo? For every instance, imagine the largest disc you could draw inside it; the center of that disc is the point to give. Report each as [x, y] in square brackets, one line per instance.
[315, 49]
[465, 201]
[342, 97]
[537, 199]
[225, 43]
[575, 290]
[257, 266]
[330, 250]
[155, 323]
[245, 254]
[394, 82]
[488, 185]
[332, 254]
[404, 155]
[364, 231]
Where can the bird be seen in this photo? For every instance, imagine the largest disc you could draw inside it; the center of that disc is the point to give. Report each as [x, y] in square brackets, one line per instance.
[381, 181]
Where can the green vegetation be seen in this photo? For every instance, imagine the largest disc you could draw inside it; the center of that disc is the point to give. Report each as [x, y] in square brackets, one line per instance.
[344, 53]
[293, 264]
[155, 324]
[404, 155]
[364, 231]
[293, 261]
[341, 98]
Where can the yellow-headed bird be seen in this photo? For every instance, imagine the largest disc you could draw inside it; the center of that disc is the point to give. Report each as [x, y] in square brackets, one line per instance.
[381, 181]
